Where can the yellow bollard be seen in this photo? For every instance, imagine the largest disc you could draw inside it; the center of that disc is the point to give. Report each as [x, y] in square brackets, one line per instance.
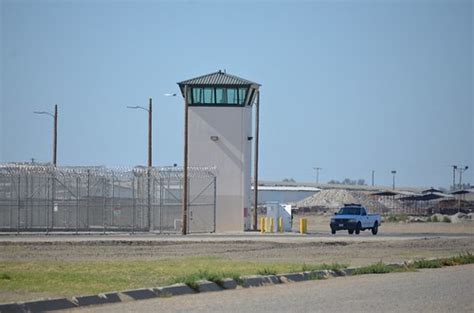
[272, 225]
[262, 224]
[280, 224]
[303, 225]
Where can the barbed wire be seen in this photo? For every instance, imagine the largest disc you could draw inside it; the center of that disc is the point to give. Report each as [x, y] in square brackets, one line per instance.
[12, 169]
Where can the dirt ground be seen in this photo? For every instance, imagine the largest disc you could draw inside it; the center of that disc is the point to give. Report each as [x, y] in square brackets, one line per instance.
[394, 243]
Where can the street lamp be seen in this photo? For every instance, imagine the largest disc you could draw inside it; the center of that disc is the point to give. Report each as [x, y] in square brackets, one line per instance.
[455, 167]
[461, 170]
[149, 110]
[393, 173]
[55, 130]
[317, 169]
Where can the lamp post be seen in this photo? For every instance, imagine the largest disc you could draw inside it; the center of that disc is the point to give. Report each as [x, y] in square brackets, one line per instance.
[55, 130]
[317, 169]
[50, 216]
[454, 176]
[393, 183]
[461, 170]
[150, 112]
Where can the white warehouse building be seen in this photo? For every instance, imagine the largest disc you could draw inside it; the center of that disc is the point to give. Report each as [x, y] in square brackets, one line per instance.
[284, 194]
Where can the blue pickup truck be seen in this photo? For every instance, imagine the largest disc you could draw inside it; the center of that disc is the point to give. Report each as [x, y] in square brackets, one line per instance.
[354, 218]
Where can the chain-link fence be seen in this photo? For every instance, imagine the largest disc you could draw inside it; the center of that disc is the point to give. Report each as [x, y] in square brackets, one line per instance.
[46, 198]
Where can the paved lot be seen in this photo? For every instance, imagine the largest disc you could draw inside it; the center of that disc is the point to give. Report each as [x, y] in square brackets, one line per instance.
[436, 290]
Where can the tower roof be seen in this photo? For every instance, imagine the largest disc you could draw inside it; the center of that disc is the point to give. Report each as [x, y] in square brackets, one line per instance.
[218, 78]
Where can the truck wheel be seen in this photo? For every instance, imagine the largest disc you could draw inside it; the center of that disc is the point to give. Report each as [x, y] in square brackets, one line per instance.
[375, 229]
[350, 231]
[333, 231]
[357, 230]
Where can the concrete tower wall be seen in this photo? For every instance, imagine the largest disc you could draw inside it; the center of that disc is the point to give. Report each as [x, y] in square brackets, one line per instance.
[230, 154]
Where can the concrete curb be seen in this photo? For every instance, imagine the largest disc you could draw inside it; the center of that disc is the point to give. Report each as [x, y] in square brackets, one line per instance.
[91, 300]
[48, 305]
[228, 283]
[207, 286]
[140, 294]
[257, 281]
[174, 290]
[291, 277]
[11, 308]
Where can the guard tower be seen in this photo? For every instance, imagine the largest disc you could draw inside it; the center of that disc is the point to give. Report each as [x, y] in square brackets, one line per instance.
[220, 135]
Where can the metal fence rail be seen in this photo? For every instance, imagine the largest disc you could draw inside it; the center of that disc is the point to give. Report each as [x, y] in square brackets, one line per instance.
[46, 198]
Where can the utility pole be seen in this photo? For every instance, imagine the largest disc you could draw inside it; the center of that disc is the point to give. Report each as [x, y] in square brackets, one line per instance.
[454, 177]
[149, 132]
[185, 169]
[373, 177]
[255, 167]
[393, 173]
[150, 164]
[317, 173]
[55, 148]
[461, 170]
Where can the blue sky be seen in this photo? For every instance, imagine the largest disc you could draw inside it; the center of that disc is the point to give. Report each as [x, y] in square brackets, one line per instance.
[349, 86]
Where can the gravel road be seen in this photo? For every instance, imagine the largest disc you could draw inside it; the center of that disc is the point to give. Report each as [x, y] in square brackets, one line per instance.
[435, 290]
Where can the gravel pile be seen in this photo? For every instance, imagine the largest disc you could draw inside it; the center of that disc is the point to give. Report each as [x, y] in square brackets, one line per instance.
[333, 199]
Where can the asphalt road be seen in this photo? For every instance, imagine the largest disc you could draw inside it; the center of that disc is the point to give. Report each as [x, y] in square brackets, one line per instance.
[436, 290]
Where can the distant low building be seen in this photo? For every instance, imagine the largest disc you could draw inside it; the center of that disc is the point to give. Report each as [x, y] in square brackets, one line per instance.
[284, 194]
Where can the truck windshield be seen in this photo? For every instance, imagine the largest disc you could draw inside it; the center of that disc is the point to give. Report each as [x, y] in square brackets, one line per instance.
[349, 211]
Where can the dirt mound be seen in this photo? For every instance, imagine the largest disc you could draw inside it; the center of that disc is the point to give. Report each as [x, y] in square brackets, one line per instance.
[455, 218]
[333, 199]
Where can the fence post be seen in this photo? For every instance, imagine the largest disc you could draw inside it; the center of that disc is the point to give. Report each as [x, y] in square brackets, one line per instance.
[134, 204]
[19, 204]
[46, 205]
[161, 205]
[26, 202]
[112, 204]
[215, 201]
[88, 198]
[53, 196]
[10, 203]
[149, 220]
[104, 203]
[77, 203]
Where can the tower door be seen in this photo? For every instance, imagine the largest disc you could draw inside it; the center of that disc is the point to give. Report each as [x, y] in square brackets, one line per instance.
[202, 205]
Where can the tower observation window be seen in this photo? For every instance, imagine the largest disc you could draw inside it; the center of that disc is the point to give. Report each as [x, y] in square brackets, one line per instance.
[209, 97]
[198, 95]
[217, 96]
[221, 96]
[232, 96]
[242, 95]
